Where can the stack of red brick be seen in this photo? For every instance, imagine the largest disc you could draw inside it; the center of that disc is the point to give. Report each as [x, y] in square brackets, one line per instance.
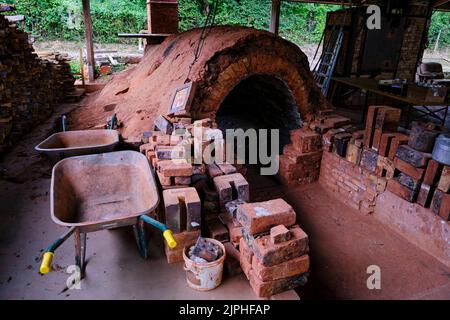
[419, 178]
[197, 196]
[380, 157]
[273, 250]
[300, 161]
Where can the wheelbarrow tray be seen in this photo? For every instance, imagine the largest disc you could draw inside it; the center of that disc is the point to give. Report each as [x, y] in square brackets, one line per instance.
[99, 191]
[74, 143]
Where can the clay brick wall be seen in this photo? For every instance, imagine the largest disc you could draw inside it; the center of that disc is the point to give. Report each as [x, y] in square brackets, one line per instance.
[29, 85]
[356, 186]
[412, 47]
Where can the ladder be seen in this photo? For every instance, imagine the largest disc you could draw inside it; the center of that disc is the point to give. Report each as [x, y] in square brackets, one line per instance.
[324, 68]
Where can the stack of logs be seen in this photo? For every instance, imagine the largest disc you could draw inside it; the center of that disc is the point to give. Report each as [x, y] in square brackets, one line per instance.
[29, 86]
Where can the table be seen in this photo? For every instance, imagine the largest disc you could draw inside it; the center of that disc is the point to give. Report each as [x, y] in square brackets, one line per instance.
[371, 85]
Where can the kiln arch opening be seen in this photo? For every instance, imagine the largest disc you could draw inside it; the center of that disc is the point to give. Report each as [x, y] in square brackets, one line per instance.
[260, 101]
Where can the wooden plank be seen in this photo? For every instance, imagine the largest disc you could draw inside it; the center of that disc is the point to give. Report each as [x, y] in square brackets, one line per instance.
[275, 17]
[89, 39]
[372, 86]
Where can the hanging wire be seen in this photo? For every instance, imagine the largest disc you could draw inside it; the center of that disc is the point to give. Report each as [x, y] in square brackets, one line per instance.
[207, 26]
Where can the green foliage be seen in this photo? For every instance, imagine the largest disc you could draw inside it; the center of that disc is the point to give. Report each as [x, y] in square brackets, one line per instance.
[440, 22]
[300, 22]
[63, 19]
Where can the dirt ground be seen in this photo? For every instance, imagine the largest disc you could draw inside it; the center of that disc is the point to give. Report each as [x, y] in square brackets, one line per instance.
[343, 243]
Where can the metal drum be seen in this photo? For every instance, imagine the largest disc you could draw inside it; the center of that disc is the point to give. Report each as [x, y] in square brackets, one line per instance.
[441, 150]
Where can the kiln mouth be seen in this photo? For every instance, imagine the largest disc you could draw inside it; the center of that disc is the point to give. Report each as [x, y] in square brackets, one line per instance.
[260, 101]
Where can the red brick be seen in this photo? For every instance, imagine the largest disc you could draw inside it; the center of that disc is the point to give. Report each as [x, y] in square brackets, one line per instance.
[227, 183]
[205, 123]
[385, 167]
[271, 254]
[161, 140]
[164, 181]
[245, 266]
[441, 204]
[370, 125]
[422, 138]
[170, 152]
[432, 173]
[279, 234]
[397, 141]
[180, 202]
[299, 158]
[444, 180]
[145, 148]
[198, 169]
[217, 230]
[232, 261]
[261, 216]
[376, 140]
[305, 141]
[336, 121]
[182, 181]
[385, 144]
[413, 172]
[175, 168]
[183, 240]
[233, 226]
[226, 168]
[213, 170]
[369, 160]
[387, 119]
[353, 153]
[270, 288]
[245, 252]
[425, 195]
[401, 191]
[286, 269]
[416, 158]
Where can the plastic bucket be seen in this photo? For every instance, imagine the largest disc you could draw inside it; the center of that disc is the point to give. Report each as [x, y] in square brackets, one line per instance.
[204, 276]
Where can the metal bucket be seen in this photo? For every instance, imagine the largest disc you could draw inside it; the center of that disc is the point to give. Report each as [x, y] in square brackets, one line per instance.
[441, 150]
[204, 276]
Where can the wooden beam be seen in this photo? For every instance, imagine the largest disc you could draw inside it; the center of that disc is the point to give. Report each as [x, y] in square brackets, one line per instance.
[89, 41]
[439, 3]
[275, 16]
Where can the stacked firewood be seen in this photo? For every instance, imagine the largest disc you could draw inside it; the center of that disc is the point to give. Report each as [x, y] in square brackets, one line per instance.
[29, 86]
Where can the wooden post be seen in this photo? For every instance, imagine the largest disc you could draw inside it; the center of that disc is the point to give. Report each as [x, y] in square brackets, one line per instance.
[89, 41]
[275, 16]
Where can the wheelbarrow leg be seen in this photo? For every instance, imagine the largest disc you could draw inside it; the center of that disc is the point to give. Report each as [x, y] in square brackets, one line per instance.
[139, 234]
[83, 236]
[80, 250]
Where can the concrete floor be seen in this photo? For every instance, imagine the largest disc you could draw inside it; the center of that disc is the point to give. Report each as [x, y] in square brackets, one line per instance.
[343, 243]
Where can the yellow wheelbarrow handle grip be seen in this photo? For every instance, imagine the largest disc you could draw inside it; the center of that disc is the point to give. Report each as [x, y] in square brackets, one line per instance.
[169, 239]
[46, 263]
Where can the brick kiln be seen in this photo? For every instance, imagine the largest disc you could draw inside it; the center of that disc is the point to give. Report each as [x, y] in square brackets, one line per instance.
[244, 78]
[238, 68]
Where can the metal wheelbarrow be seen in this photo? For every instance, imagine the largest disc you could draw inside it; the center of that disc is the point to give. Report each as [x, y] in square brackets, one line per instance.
[102, 191]
[78, 142]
